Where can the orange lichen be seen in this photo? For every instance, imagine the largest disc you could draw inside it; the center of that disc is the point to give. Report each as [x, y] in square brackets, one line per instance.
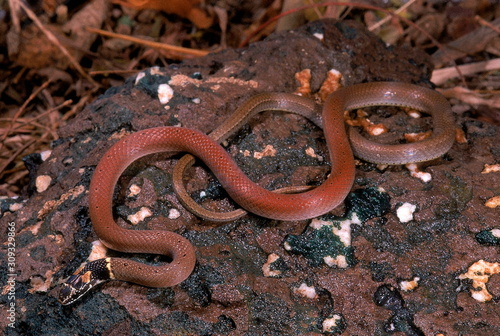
[491, 168]
[189, 9]
[304, 79]
[368, 126]
[493, 202]
[330, 85]
[480, 273]
[460, 136]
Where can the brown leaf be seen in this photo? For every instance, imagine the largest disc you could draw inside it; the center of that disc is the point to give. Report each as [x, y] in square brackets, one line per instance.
[472, 97]
[188, 9]
[432, 23]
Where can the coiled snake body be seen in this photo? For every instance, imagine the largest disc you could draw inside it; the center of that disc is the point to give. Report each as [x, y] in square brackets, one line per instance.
[241, 189]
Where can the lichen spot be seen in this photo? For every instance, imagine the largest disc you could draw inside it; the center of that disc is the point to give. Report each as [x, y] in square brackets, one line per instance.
[409, 285]
[306, 291]
[42, 183]
[319, 36]
[405, 212]
[174, 213]
[165, 93]
[334, 324]
[480, 273]
[134, 190]
[267, 268]
[139, 215]
[140, 76]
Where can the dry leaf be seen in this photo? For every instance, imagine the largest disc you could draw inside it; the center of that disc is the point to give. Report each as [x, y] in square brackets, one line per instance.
[188, 9]
[432, 23]
[472, 97]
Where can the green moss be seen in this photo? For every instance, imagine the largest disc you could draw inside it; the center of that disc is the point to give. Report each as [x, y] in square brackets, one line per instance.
[367, 203]
[150, 83]
[318, 243]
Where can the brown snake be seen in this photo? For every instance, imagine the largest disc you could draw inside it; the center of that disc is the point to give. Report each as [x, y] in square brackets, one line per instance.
[246, 193]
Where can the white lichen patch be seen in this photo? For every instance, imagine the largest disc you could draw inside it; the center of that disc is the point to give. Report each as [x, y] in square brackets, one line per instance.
[68, 161]
[354, 216]
[165, 93]
[331, 323]
[335, 73]
[156, 71]
[414, 114]
[495, 233]
[416, 172]
[134, 190]
[87, 140]
[58, 239]
[312, 153]
[493, 202]
[42, 183]
[415, 137]
[50, 205]
[33, 228]
[306, 291]
[376, 129]
[98, 251]
[339, 261]
[266, 268]
[480, 273]
[41, 284]
[16, 206]
[245, 153]
[45, 155]
[139, 216]
[409, 285]
[174, 213]
[318, 224]
[120, 134]
[140, 76]
[344, 233]
[319, 36]
[183, 81]
[405, 212]
[153, 71]
[269, 150]
[494, 168]
[367, 125]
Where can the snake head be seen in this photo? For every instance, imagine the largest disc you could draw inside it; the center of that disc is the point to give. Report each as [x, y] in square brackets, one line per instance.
[84, 279]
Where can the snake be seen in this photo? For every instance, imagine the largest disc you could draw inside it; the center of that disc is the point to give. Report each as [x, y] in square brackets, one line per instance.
[342, 145]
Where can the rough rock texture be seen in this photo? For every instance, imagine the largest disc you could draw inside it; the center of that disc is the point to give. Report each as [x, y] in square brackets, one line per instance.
[228, 293]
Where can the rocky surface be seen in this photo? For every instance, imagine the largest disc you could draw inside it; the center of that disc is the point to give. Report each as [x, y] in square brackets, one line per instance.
[401, 278]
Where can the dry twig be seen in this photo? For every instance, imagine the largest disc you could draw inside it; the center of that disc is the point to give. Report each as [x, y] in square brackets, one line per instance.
[56, 42]
[152, 44]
